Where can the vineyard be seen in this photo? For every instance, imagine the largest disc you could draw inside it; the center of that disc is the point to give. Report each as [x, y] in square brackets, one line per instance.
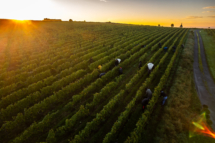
[51, 92]
[211, 32]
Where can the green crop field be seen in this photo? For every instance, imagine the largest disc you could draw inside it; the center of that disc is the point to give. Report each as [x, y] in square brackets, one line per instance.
[50, 92]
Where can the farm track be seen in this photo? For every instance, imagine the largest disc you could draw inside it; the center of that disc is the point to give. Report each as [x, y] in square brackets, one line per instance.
[204, 83]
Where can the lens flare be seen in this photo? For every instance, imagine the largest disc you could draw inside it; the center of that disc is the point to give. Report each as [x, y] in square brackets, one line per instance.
[198, 125]
[201, 127]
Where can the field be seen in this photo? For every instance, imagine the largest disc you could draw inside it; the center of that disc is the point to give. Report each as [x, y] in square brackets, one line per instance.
[208, 37]
[51, 92]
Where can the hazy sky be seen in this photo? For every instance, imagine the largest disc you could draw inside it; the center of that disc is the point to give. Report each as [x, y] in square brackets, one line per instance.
[192, 13]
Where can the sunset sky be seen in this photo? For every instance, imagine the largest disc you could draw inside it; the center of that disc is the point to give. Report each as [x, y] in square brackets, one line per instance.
[192, 13]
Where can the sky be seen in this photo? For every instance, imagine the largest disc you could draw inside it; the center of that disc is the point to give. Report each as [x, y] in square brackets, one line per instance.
[191, 13]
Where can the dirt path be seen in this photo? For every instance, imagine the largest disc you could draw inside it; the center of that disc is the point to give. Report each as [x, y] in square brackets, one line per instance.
[203, 81]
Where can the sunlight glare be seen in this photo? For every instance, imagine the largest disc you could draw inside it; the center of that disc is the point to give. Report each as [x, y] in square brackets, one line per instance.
[26, 9]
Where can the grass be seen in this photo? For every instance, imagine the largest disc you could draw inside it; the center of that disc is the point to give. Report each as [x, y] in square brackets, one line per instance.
[200, 58]
[182, 104]
[209, 43]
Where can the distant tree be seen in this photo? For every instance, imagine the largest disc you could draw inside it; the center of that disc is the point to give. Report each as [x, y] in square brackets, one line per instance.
[84, 21]
[172, 25]
[48, 19]
[158, 25]
[70, 20]
[181, 25]
[208, 27]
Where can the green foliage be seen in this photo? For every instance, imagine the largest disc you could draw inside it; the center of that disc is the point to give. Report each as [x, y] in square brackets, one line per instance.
[94, 124]
[124, 115]
[208, 42]
[51, 137]
[46, 91]
[56, 79]
[136, 134]
[143, 70]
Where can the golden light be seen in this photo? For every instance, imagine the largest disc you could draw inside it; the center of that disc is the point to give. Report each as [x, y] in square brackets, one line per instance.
[26, 9]
[26, 22]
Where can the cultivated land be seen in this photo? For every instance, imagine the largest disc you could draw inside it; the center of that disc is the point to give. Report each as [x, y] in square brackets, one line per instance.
[50, 92]
[208, 37]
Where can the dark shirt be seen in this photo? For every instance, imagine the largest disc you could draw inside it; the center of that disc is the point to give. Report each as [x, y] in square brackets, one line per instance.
[145, 101]
[116, 62]
[140, 64]
[165, 48]
[101, 74]
[120, 70]
[91, 60]
[163, 94]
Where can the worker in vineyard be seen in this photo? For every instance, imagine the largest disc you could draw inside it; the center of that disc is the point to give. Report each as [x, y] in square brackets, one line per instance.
[182, 45]
[142, 46]
[101, 75]
[100, 67]
[148, 93]
[117, 61]
[165, 49]
[91, 60]
[150, 68]
[159, 45]
[164, 97]
[174, 48]
[145, 101]
[120, 70]
[140, 64]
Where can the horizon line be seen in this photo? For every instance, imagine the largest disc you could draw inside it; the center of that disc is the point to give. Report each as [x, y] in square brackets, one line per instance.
[99, 22]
